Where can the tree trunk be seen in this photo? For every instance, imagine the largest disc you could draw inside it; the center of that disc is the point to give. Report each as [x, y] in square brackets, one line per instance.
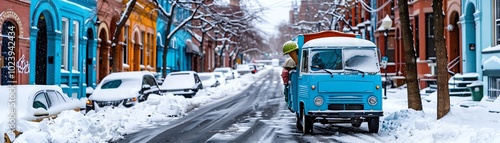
[414, 101]
[118, 31]
[167, 40]
[443, 98]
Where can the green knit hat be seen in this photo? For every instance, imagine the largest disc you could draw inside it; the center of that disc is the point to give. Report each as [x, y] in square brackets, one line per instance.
[289, 46]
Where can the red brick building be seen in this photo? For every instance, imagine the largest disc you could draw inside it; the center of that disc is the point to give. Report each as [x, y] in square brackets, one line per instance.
[15, 31]
[108, 14]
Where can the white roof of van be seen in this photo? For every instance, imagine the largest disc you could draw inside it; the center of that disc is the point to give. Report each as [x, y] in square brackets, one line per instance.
[338, 42]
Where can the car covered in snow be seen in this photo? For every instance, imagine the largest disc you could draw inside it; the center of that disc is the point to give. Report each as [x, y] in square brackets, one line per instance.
[31, 103]
[185, 83]
[228, 72]
[123, 89]
[243, 69]
[208, 80]
[220, 78]
[236, 74]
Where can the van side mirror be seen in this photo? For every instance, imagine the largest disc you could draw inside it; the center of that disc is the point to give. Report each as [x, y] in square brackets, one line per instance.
[146, 86]
[41, 112]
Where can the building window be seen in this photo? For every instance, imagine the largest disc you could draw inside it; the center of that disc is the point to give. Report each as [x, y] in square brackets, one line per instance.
[142, 47]
[497, 21]
[64, 44]
[390, 49]
[429, 27]
[493, 87]
[125, 39]
[75, 45]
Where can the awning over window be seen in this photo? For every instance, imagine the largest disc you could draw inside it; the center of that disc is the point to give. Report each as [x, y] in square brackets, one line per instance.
[192, 48]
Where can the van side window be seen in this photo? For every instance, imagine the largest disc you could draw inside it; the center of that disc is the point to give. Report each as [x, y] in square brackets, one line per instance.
[305, 61]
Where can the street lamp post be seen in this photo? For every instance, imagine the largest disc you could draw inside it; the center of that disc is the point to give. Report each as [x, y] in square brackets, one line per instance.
[386, 25]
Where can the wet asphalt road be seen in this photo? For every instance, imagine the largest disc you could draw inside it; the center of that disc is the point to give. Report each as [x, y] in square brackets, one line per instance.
[258, 114]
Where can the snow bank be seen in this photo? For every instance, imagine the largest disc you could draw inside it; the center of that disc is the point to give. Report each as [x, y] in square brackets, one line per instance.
[111, 124]
[474, 124]
[413, 126]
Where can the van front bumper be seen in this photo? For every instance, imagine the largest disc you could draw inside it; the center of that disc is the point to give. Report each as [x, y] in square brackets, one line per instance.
[346, 113]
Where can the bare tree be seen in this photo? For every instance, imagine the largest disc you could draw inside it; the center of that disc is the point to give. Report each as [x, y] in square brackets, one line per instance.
[443, 104]
[414, 101]
[119, 26]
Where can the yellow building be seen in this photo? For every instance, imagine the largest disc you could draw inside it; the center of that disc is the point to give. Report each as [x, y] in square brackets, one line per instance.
[140, 37]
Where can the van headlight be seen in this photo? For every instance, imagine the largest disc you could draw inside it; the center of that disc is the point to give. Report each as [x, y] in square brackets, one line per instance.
[318, 101]
[372, 100]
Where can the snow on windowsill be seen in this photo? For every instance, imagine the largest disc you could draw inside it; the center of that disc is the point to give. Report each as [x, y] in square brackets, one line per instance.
[64, 71]
[142, 67]
[75, 71]
[126, 66]
[492, 49]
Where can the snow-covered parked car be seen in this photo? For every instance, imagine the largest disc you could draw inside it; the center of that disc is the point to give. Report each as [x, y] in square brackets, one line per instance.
[220, 78]
[236, 74]
[243, 69]
[185, 83]
[123, 89]
[31, 103]
[228, 72]
[208, 80]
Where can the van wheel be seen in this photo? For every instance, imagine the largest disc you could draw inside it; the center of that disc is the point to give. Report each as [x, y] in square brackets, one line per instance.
[373, 124]
[297, 123]
[307, 123]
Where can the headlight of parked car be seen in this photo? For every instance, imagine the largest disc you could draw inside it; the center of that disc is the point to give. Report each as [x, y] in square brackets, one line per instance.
[372, 100]
[89, 103]
[130, 100]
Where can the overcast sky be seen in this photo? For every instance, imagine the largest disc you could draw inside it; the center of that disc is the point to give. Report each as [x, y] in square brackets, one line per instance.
[275, 11]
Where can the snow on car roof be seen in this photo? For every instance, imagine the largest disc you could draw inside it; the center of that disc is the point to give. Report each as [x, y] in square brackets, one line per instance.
[128, 75]
[190, 72]
[339, 42]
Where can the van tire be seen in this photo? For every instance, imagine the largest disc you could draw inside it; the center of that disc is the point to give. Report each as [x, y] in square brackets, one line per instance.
[297, 123]
[307, 123]
[373, 124]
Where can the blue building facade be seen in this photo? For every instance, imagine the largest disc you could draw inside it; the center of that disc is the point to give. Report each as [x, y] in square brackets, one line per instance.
[480, 24]
[63, 44]
[178, 58]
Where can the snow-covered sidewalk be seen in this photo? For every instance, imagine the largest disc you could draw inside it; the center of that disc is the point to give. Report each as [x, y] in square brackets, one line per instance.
[474, 124]
[112, 124]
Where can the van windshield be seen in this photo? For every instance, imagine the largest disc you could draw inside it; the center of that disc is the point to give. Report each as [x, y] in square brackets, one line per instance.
[330, 59]
[344, 59]
[362, 59]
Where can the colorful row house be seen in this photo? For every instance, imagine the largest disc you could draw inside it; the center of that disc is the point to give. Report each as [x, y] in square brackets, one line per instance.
[481, 41]
[63, 41]
[139, 48]
[181, 50]
[108, 14]
[15, 51]
[368, 22]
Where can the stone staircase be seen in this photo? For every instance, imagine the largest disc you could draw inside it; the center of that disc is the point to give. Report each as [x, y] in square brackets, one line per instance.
[458, 84]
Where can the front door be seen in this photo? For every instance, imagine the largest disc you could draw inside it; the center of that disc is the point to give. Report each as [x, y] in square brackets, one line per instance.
[41, 52]
[88, 62]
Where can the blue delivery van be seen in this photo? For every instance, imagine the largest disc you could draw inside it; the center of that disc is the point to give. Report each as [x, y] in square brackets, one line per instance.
[337, 80]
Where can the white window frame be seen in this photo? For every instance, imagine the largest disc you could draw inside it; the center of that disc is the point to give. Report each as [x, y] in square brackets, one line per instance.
[75, 47]
[64, 43]
[496, 23]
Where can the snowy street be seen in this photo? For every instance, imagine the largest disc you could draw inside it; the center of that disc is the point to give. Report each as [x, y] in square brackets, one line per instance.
[252, 109]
